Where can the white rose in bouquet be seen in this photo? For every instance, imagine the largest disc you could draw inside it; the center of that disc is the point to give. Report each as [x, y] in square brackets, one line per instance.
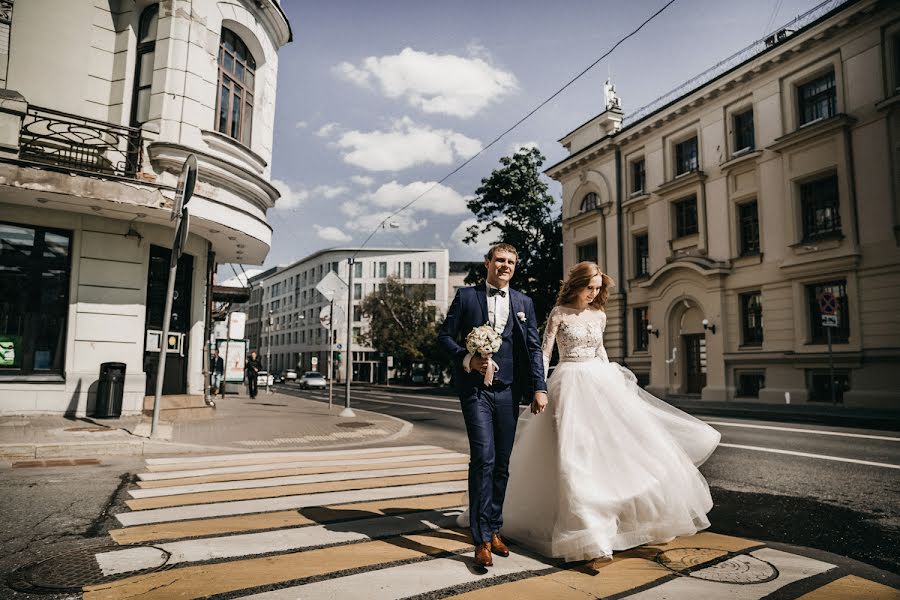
[485, 341]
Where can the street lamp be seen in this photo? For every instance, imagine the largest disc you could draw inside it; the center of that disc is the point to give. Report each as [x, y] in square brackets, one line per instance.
[268, 350]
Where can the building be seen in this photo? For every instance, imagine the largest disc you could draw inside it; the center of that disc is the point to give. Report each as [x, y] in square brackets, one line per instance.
[459, 270]
[730, 208]
[101, 104]
[288, 301]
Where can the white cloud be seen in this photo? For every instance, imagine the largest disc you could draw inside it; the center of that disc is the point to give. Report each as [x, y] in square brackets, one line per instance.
[327, 129]
[329, 191]
[241, 279]
[290, 198]
[301, 124]
[332, 234]
[363, 180]
[441, 199]
[405, 145]
[362, 220]
[485, 240]
[522, 146]
[434, 83]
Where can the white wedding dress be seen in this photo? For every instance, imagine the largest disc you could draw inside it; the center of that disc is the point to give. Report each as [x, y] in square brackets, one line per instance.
[606, 466]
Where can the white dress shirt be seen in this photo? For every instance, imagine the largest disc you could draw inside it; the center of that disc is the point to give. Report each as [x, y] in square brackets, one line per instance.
[498, 315]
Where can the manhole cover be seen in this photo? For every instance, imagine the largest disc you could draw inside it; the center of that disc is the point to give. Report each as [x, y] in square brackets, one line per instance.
[724, 567]
[71, 571]
[355, 424]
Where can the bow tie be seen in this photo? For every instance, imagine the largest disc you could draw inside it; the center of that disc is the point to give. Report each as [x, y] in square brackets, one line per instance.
[495, 291]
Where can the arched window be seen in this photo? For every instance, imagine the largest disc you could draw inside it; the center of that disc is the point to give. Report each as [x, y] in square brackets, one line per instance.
[589, 202]
[237, 74]
[143, 65]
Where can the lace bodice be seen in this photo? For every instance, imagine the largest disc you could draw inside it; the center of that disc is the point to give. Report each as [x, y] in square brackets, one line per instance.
[579, 334]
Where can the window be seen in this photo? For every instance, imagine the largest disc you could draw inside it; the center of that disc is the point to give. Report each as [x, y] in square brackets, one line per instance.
[895, 42]
[143, 65]
[334, 266]
[751, 319]
[686, 159]
[357, 332]
[357, 291]
[817, 99]
[748, 228]
[641, 335]
[819, 204]
[587, 251]
[638, 177]
[839, 334]
[588, 203]
[749, 383]
[819, 384]
[357, 313]
[237, 73]
[686, 217]
[34, 299]
[407, 270]
[641, 255]
[382, 269]
[744, 139]
[357, 269]
[432, 270]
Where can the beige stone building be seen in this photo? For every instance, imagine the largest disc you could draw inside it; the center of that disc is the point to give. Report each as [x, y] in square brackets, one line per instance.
[731, 208]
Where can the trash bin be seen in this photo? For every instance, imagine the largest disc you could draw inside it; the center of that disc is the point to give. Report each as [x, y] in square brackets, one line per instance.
[110, 390]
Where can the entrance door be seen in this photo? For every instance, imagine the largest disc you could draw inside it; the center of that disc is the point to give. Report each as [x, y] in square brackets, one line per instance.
[175, 378]
[695, 362]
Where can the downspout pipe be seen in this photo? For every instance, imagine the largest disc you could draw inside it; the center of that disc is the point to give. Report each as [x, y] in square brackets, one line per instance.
[620, 225]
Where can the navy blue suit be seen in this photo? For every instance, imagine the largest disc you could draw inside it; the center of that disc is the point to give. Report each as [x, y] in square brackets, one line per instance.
[491, 412]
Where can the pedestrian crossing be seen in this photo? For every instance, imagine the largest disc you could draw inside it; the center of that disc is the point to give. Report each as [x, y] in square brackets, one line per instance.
[381, 524]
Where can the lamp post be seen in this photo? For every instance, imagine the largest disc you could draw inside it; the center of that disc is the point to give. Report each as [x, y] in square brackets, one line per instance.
[268, 350]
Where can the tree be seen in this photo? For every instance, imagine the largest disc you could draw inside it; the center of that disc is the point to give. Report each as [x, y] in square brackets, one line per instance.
[402, 323]
[515, 203]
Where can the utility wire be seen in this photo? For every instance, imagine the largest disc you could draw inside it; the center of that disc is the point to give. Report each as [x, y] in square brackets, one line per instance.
[515, 125]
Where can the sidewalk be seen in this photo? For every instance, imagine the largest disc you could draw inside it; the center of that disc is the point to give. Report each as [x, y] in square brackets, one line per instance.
[274, 421]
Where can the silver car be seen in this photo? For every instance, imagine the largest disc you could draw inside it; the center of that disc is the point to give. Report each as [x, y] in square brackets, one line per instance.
[312, 379]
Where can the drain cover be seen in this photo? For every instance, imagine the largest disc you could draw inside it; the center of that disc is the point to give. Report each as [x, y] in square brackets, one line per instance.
[71, 571]
[355, 424]
[726, 567]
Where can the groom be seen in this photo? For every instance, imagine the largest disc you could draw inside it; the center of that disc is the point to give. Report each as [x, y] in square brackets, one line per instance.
[491, 411]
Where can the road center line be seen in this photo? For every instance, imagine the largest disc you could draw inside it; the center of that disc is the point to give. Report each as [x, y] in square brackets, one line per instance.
[808, 455]
[801, 430]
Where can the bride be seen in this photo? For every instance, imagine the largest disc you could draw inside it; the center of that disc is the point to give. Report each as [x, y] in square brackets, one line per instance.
[606, 466]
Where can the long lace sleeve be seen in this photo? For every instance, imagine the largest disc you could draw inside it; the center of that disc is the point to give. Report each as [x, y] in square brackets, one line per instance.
[601, 349]
[550, 338]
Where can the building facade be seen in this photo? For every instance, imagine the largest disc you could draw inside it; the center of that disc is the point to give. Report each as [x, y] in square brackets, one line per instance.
[283, 315]
[733, 210]
[101, 104]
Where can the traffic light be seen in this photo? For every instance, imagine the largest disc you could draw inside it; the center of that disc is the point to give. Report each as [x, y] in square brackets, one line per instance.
[337, 356]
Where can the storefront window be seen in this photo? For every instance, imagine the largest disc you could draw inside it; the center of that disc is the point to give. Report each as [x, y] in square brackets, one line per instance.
[34, 299]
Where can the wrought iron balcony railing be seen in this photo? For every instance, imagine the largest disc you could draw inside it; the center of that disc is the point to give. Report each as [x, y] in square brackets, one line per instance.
[79, 144]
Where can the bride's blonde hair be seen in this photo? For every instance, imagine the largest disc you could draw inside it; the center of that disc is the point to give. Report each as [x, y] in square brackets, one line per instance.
[578, 278]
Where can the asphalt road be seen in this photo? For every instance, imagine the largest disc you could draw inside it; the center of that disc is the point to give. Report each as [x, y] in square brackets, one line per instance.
[834, 489]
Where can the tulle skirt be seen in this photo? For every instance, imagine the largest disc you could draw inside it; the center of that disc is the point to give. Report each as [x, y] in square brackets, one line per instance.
[605, 467]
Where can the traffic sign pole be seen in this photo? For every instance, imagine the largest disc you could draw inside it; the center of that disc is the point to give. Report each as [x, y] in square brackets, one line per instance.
[348, 353]
[330, 354]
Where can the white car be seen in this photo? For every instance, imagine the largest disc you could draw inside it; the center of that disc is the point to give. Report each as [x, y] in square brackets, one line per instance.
[290, 375]
[312, 379]
[264, 378]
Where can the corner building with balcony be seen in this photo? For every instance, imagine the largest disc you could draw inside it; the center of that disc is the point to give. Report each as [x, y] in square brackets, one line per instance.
[101, 103]
[727, 209]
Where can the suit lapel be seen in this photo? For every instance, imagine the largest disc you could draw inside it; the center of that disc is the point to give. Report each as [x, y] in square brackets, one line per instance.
[481, 295]
[514, 308]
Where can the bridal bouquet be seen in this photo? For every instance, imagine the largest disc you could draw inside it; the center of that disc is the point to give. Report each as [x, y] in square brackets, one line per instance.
[485, 340]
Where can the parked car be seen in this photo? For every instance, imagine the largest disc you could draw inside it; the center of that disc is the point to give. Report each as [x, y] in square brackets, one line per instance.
[262, 376]
[278, 377]
[419, 376]
[312, 379]
[290, 375]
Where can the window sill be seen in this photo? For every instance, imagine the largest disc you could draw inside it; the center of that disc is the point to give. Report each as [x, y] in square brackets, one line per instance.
[747, 260]
[739, 159]
[635, 199]
[33, 378]
[750, 347]
[681, 181]
[684, 242]
[824, 242]
[889, 103]
[810, 131]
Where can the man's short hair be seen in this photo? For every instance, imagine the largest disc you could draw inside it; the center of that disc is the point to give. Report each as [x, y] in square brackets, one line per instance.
[501, 247]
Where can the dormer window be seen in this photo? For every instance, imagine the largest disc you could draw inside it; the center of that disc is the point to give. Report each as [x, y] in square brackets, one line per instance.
[237, 76]
[589, 202]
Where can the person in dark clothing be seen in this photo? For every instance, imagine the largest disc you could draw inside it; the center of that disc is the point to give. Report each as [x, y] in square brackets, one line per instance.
[217, 368]
[252, 369]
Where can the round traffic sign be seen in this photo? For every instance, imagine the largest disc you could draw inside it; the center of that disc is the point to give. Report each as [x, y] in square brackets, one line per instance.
[827, 303]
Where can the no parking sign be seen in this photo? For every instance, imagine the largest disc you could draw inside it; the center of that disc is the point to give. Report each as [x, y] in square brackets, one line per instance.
[828, 307]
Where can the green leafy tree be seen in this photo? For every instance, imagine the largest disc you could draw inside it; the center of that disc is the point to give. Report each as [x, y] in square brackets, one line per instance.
[515, 203]
[402, 323]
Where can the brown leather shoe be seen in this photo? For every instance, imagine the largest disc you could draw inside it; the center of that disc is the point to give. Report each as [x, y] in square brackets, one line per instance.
[497, 545]
[483, 555]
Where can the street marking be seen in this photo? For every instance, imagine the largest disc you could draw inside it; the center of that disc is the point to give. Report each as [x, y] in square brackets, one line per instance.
[851, 586]
[290, 490]
[123, 561]
[808, 455]
[325, 437]
[265, 471]
[285, 481]
[242, 507]
[865, 436]
[453, 410]
[405, 580]
[418, 397]
[790, 568]
[286, 540]
[357, 452]
[220, 578]
[291, 518]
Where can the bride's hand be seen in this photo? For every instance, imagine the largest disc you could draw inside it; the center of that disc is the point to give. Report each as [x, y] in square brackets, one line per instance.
[539, 403]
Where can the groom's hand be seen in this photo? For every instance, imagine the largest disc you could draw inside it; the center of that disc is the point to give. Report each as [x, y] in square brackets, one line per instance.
[478, 363]
[539, 403]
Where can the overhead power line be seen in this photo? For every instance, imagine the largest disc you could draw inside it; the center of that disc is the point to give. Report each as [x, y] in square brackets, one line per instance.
[514, 126]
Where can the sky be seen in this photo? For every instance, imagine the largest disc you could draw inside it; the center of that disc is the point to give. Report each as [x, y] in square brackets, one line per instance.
[376, 101]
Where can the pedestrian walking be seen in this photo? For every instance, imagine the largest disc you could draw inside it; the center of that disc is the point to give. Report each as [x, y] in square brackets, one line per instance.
[252, 369]
[217, 368]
